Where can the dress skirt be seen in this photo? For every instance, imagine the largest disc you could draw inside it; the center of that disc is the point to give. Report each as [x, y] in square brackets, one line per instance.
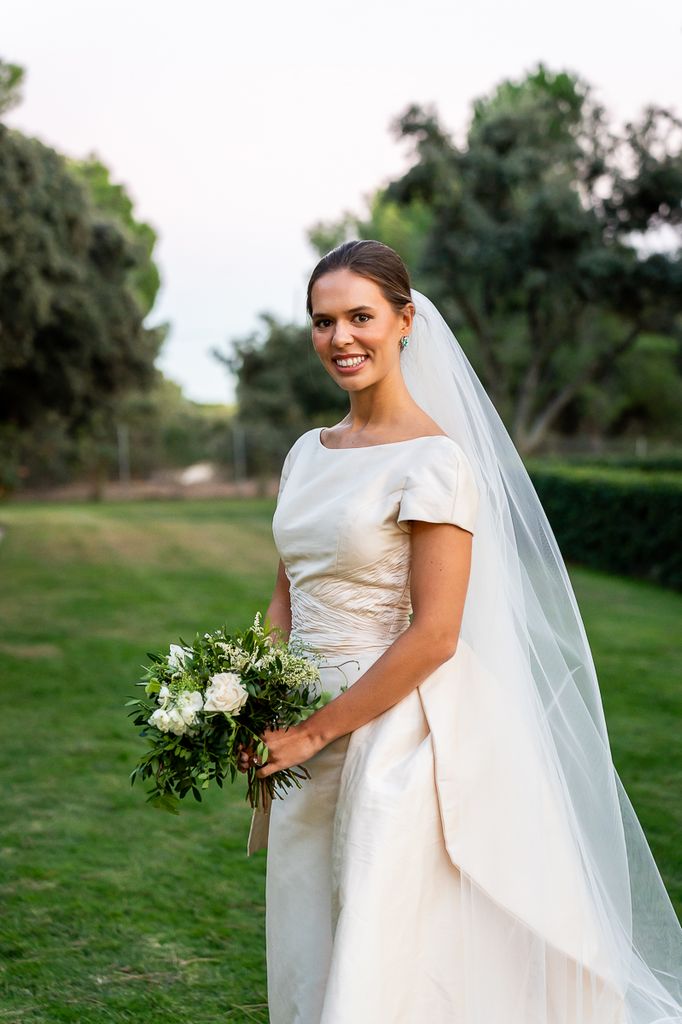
[362, 900]
[428, 870]
[369, 920]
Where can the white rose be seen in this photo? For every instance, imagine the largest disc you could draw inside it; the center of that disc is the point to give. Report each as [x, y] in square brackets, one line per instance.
[177, 723]
[178, 656]
[160, 719]
[225, 693]
[188, 705]
[163, 695]
[168, 720]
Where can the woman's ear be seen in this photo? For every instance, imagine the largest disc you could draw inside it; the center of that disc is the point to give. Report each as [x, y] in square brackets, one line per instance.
[408, 316]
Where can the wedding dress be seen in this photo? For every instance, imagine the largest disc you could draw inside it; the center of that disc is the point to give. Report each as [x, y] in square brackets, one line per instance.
[469, 856]
[365, 911]
[361, 898]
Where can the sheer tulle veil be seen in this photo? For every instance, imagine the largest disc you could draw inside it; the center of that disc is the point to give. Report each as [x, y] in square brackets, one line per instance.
[569, 865]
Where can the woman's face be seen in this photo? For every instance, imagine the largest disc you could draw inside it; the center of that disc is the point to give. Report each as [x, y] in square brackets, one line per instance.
[351, 317]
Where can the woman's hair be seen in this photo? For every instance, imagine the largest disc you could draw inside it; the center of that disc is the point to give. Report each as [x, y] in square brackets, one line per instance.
[370, 259]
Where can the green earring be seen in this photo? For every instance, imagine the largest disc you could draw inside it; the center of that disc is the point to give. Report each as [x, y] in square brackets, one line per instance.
[403, 341]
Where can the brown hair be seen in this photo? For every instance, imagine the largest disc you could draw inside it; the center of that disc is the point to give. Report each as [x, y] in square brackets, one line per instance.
[370, 259]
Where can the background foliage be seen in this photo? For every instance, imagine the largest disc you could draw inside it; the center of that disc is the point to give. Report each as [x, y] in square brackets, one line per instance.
[549, 239]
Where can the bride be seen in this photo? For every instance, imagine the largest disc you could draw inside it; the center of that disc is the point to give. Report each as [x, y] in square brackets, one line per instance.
[464, 851]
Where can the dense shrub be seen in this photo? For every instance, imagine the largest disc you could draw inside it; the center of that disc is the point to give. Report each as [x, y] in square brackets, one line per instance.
[618, 520]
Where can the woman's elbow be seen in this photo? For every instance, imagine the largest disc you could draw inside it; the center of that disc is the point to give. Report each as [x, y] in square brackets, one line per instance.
[447, 645]
[439, 641]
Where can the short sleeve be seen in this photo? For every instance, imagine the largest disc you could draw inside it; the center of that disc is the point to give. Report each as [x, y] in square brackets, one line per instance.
[441, 488]
[286, 466]
[289, 460]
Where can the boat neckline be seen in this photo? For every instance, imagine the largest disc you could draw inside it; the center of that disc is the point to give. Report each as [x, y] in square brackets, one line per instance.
[384, 444]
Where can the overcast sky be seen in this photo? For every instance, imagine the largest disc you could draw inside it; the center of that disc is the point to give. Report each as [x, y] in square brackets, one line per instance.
[236, 127]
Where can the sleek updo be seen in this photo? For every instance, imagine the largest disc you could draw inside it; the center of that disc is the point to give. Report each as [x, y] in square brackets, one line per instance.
[370, 259]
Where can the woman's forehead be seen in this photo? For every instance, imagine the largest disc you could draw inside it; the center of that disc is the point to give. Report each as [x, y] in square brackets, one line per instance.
[343, 291]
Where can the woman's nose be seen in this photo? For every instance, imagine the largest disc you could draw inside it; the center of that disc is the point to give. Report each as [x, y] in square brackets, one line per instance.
[342, 335]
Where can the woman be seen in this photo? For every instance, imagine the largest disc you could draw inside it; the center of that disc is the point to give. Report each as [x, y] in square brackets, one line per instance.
[464, 851]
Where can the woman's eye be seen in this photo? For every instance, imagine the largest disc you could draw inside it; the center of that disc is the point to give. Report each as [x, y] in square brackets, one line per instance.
[323, 323]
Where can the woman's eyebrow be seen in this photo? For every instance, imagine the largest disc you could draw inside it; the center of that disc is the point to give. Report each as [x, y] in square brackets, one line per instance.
[356, 309]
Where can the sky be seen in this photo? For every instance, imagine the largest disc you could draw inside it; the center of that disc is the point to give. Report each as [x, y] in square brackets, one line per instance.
[236, 128]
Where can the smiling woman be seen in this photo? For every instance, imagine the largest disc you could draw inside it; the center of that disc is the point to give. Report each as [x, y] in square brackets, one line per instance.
[352, 341]
[464, 849]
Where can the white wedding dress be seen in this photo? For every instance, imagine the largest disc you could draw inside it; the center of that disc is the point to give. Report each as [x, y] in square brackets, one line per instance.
[402, 877]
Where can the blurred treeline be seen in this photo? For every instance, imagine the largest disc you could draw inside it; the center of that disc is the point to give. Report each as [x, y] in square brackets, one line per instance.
[549, 239]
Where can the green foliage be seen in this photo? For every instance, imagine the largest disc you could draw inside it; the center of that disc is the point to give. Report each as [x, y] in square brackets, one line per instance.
[326, 235]
[281, 388]
[641, 395]
[277, 683]
[73, 337]
[11, 81]
[168, 430]
[77, 279]
[165, 431]
[528, 246]
[617, 520]
[113, 200]
[405, 228]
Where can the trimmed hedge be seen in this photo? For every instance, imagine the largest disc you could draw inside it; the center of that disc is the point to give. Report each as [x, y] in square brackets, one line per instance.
[617, 520]
[670, 463]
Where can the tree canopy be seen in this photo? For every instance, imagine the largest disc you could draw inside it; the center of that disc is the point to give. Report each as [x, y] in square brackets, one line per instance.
[529, 239]
[281, 385]
[76, 281]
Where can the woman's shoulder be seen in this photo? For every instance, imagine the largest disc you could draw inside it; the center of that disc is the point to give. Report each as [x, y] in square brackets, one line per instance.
[440, 485]
[430, 449]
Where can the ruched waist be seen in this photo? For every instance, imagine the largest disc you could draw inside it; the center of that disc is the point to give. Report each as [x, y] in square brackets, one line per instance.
[335, 630]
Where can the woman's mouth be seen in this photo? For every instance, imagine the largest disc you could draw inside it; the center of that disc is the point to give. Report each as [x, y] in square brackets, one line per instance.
[349, 364]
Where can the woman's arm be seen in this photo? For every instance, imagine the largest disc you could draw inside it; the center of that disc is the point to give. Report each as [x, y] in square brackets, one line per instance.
[278, 614]
[439, 577]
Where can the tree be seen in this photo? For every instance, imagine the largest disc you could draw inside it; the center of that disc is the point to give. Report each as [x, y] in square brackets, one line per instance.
[75, 286]
[281, 387]
[112, 201]
[531, 242]
[11, 81]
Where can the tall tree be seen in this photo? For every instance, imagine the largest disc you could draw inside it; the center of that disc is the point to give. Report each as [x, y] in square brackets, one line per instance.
[75, 286]
[530, 243]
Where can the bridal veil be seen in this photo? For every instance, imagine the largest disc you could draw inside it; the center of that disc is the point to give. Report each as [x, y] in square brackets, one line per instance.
[555, 863]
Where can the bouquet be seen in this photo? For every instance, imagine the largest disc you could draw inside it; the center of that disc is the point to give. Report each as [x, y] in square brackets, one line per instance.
[203, 701]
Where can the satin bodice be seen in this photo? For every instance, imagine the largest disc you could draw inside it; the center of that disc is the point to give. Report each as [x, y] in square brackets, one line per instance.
[342, 528]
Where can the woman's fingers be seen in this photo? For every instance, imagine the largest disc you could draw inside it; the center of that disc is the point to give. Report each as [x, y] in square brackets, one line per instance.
[244, 758]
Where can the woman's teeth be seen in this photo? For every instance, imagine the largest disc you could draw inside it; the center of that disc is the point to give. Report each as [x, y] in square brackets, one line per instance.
[350, 362]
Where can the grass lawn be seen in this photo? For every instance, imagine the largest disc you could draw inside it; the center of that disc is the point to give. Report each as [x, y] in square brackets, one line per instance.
[113, 911]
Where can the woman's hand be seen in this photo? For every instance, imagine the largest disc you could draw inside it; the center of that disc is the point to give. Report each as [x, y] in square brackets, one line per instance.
[286, 748]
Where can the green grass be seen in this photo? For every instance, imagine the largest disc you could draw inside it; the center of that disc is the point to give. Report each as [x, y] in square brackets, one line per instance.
[113, 911]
